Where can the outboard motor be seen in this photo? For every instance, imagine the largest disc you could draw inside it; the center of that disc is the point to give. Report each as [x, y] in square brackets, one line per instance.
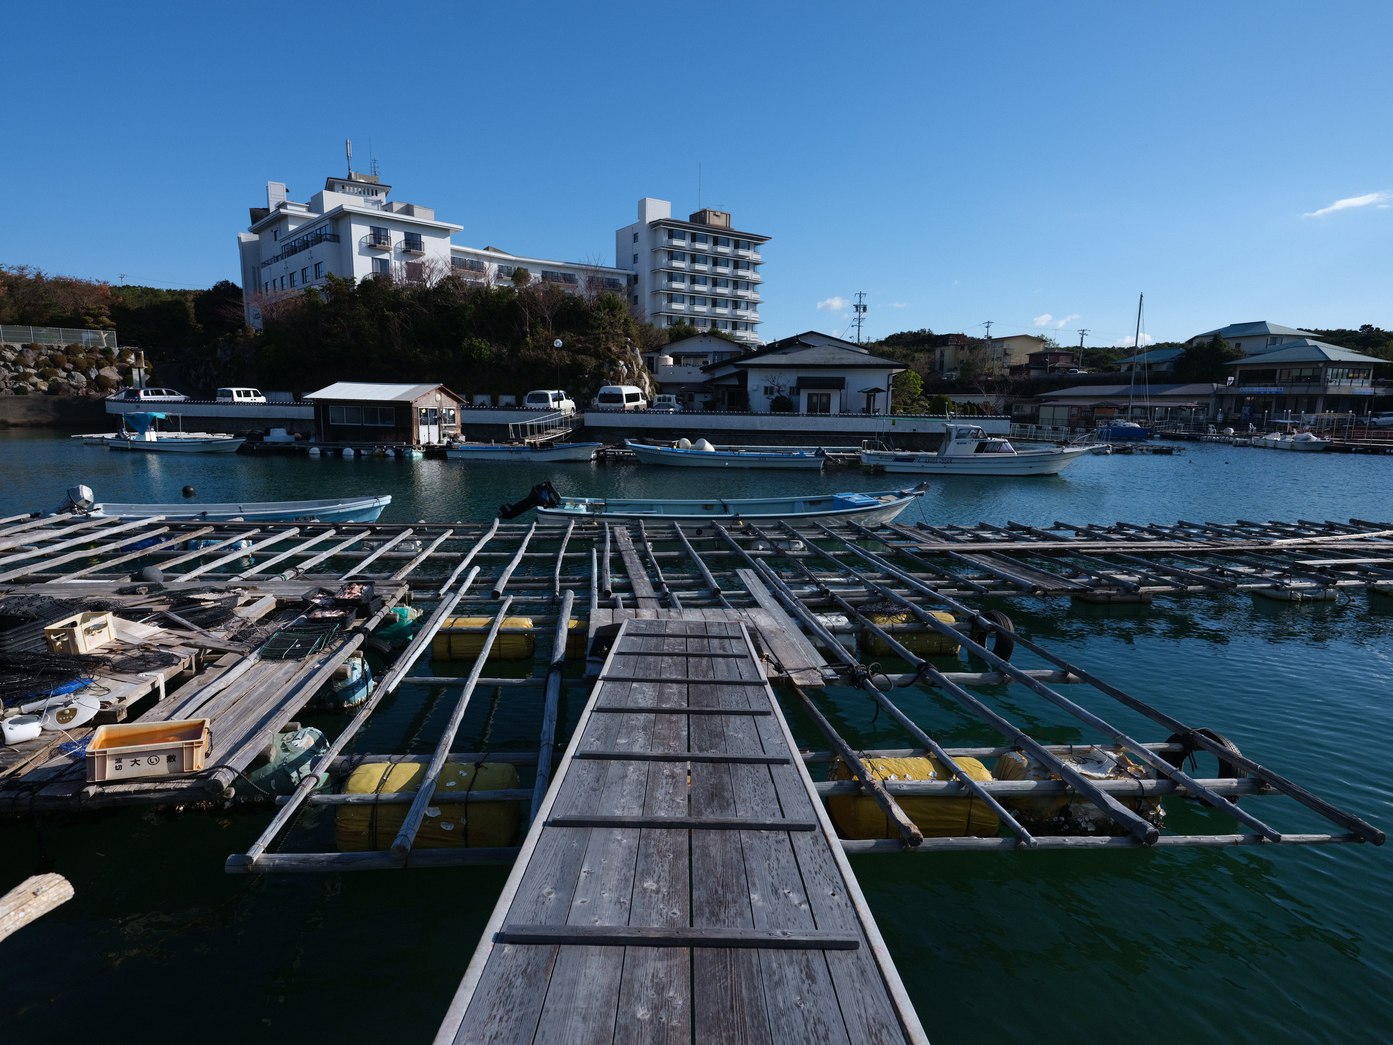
[80, 499]
[543, 495]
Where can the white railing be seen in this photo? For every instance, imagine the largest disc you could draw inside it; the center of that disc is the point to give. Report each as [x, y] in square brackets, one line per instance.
[17, 335]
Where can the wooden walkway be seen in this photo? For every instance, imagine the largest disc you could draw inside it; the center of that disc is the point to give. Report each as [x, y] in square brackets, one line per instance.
[681, 882]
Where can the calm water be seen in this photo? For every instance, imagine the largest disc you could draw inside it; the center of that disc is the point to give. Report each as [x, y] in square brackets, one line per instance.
[1282, 944]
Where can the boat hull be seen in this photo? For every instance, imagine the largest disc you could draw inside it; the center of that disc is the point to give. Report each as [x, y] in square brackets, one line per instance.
[363, 509]
[178, 445]
[869, 508]
[1287, 442]
[1021, 463]
[678, 457]
[550, 453]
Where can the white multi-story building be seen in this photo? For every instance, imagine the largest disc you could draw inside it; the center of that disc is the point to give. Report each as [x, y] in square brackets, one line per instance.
[349, 229]
[698, 271]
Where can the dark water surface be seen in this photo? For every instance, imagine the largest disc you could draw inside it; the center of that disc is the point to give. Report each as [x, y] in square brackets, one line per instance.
[1227, 945]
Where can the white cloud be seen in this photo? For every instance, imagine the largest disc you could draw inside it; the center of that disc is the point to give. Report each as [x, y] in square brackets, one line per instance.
[1047, 320]
[1130, 342]
[833, 304]
[1369, 199]
[895, 304]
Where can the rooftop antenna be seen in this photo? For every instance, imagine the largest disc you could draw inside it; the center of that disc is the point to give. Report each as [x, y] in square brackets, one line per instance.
[372, 162]
[348, 148]
[860, 310]
[698, 186]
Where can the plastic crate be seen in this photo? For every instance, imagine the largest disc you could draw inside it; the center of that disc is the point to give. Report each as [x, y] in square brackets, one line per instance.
[80, 633]
[144, 749]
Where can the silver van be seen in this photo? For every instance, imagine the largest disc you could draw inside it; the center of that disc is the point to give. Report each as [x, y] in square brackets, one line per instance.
[240, 395]
[620, 397]
[150, 395]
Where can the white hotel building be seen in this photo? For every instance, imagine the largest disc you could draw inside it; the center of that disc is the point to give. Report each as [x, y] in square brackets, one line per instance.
[352, 229]
[699, 271]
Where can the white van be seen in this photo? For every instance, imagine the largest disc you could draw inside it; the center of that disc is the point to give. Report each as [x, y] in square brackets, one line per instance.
[240, 395]
[666, 403]
[620, 397]
[552, 399]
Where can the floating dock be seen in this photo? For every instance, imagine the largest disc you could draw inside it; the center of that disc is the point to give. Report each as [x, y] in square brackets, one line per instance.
[684, 875]
[682, 881]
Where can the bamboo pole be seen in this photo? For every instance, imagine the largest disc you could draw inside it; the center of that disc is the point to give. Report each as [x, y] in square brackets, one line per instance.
[502, 581]
[411, 823]
[547, 741]
[32, 899]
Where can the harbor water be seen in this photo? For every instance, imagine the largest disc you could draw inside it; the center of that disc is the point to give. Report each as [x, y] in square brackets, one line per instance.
[1242, 944]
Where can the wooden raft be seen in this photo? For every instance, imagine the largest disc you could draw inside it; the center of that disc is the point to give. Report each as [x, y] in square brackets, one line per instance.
[681, 881]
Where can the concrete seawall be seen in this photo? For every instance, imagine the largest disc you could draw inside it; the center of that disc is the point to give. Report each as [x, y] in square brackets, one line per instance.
[46, 411]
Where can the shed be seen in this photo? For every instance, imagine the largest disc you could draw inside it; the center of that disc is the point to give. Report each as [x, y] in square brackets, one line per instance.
[385, 414]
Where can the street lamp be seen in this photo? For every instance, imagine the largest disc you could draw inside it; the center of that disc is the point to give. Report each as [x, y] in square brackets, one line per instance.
[557, 345]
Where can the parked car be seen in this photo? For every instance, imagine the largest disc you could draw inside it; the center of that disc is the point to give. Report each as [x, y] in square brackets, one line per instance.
[240, 395]
[150, 395]
[553, 399]
[1381, 420]
[665, 403]
[620, 397]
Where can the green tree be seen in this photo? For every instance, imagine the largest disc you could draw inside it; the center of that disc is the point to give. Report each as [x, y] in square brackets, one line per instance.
[1206, 362]
[908, 393]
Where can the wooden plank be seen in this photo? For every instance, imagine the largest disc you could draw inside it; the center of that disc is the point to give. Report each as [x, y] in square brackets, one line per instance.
[681, 756]
[740, 822]
[679, 936]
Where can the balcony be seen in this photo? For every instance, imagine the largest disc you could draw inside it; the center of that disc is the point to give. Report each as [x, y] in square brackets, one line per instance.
[378, 241]
[413, 245]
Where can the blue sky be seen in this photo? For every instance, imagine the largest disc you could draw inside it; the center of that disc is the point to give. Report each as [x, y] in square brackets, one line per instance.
[1035, 165]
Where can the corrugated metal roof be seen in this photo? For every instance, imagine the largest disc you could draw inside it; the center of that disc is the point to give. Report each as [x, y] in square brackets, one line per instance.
[1305, 351]
[371, 390]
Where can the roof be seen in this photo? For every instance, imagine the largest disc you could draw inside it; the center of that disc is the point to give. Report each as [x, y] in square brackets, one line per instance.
[1306, 350]
[1155, 355]
[1263, 328]
[811, 349]
[378, 392]
[1153, 391]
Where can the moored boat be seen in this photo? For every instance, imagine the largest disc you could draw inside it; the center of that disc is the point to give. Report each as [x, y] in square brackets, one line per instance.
[143, 436]
[357, 509]
[1307, 442]
[524, 451]
[703, 454]
[968, 450]
[867, 508]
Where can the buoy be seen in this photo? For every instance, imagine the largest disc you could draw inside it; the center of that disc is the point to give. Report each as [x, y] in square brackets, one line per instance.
[858, 816]
[349, 452]
[684, 443]
[314, 451]
[910, 633]
[151, 575]
[704, 445]
[188, 491]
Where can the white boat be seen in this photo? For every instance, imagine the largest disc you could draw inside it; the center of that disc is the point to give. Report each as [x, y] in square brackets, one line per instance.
[143, 436]
[1307, 442]
[524, 451]
[870, 508]
[703, 454]
[968, 450]
[358, 509]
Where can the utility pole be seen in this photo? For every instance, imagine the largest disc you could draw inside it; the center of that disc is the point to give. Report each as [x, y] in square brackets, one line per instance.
[1081, 337]
[860, 310]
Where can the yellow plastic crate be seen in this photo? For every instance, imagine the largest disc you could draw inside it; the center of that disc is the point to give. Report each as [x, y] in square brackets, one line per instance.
[133, 750]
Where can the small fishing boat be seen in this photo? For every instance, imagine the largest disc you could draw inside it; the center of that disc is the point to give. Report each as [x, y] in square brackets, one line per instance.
[867, 508]
[535, 450]
[359, 509]
[1123, 432]
[703, 454]
[143, 436]
[968, 450]
[1304, 442]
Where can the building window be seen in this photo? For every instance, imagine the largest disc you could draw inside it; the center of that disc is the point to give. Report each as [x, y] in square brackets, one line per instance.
[635, 259]
[292, 279]
[819, 402]
[635, 237]
[379, 237]
[381, 267]
[412, 241]
[319, 270]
